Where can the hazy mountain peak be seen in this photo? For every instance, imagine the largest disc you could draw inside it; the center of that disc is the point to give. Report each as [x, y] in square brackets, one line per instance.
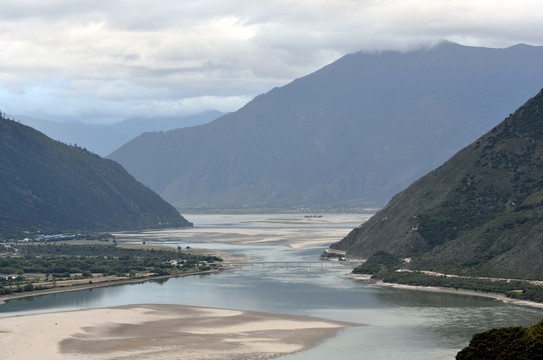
[102, 139]
[361, 128]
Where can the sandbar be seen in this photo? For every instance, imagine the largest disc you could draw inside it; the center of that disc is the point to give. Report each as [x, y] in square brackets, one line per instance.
[292, 230]
[161, 332]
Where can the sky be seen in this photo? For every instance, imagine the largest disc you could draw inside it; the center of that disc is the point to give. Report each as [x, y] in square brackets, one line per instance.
[100, 61]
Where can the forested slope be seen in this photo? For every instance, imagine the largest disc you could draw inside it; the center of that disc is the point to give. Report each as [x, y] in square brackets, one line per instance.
[49, 186]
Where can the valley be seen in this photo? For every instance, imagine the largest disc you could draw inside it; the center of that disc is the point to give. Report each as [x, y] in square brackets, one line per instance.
[332, 179]
[420, 324]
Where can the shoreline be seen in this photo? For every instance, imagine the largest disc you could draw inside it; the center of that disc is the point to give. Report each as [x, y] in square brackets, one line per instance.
[152, 331]
[77, 287]
[360, 277]
[444, 290]
[56, 290]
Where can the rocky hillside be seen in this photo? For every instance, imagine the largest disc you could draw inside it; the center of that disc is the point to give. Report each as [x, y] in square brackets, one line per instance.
[479, 213]
[359, 130]
[49, 186]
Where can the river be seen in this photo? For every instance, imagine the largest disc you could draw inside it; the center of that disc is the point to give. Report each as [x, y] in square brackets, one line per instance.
[402, 324]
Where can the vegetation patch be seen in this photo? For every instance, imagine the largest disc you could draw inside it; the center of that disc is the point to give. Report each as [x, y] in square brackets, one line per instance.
[380, 262]
[515, 289]
[516, 342]
[43, 266]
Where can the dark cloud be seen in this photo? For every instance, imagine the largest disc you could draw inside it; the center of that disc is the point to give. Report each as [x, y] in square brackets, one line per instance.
[118, 57]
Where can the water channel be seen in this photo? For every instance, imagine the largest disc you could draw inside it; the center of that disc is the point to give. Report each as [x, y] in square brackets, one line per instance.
[402, 324]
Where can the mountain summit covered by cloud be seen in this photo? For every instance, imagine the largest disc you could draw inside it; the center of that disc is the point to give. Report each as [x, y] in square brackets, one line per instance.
[102, 62]
[357, 131]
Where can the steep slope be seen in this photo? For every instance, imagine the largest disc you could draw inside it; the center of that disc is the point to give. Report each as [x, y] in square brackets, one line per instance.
[479, 213]
[362, 128]
[49, 186]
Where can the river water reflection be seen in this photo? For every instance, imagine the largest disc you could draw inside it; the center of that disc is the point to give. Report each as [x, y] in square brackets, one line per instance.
[403, 324]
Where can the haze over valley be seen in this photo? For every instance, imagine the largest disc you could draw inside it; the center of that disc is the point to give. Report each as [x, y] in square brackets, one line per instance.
[102, 139]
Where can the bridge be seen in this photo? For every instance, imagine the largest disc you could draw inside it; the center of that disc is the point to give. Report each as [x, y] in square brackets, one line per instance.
[289, 264]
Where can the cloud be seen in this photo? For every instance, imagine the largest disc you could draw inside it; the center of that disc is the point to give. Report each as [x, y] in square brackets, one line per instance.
[111, 59]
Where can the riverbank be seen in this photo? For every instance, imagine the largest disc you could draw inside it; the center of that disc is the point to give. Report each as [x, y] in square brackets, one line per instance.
[85, 284]
[161, 332]
[94, 285]
[435, 289]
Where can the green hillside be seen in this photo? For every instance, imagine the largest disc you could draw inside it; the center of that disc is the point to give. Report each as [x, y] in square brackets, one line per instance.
[480, 213]
[516, 342]
[49, 186]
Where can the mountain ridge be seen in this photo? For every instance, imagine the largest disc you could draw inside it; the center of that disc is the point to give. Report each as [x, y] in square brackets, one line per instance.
[394, 115]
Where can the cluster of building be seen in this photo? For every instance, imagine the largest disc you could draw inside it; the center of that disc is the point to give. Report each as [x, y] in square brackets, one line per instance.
[52, 237]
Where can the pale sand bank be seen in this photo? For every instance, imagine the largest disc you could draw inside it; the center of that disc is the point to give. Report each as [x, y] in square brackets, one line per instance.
[160, 332]
[291, 230]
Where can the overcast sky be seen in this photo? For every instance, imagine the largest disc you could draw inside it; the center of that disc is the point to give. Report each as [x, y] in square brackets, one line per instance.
[104, 61]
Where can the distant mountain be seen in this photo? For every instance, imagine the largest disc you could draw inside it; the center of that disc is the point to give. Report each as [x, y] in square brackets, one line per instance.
[360, 130]
[100, 139]
[103, 139]
[480, 213]
[50, 186]
[136, 126]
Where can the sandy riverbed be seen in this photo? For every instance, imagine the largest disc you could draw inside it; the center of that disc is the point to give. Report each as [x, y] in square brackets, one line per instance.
[160, 332]
[291, 230]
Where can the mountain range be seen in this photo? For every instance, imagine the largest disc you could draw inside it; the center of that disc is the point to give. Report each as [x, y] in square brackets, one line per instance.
[353, 133]
[48, 186]
[102, 139]
[480, 213]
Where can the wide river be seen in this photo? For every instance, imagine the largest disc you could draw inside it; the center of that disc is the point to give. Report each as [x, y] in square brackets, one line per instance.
[402, 324]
